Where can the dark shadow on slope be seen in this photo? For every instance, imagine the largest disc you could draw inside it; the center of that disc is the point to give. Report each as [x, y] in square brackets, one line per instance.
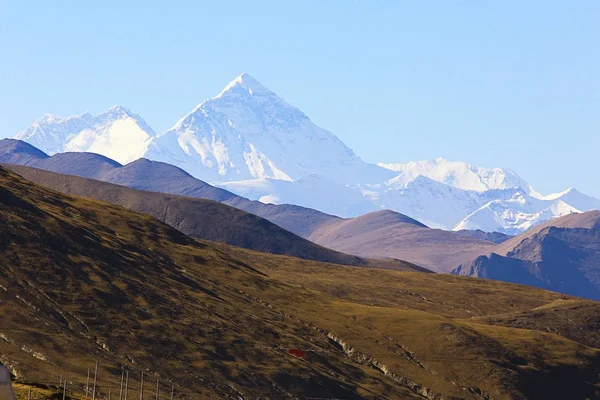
[556, 382]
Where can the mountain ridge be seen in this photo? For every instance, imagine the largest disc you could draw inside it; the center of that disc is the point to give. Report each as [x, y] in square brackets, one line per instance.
[250, 141]
[561, 255]
[390, 234]
[201, 218]
[151, 177]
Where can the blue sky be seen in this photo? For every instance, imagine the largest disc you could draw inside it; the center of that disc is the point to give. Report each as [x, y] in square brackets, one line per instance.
[513, 83]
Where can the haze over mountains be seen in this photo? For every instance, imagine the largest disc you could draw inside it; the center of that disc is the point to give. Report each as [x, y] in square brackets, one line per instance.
[158, 177]
[377, 234]
[560, 255]
[251, 142]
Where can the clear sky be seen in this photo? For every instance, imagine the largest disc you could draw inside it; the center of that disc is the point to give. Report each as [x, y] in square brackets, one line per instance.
[496, 83]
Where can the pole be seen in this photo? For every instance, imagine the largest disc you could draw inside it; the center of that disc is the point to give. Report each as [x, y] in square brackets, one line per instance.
[156, 388]
[65, 389]
[29, 394]
[172, 391]
[95, 376]
[142, 387]
[121, 389]
[87, 385]
[126, 384]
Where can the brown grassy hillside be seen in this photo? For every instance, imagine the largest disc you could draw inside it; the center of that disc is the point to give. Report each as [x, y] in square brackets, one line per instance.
[390, 234]
[84, 280]
[203, 219]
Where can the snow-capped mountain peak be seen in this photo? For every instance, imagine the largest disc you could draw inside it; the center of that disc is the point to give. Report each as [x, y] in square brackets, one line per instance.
[118, 111]
[116, 133]
[558, 195]
[248, 132]
[46, 118]
[460, 175]
[515, 215]
[244, 83]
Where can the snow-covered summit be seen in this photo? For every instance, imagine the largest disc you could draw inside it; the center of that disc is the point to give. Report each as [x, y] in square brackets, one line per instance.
[244, 83]
[515, 215]
[116, 133]
[248, 132]
[460, 175]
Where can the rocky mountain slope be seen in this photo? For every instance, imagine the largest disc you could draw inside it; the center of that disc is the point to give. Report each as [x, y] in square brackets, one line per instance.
[561, 255]
[82, 280]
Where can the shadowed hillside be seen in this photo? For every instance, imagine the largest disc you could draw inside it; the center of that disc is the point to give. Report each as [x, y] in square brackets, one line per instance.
[203, 219]
[83, 280]
[156, 176]
[160, 177]
[376, 235]
[561, 255]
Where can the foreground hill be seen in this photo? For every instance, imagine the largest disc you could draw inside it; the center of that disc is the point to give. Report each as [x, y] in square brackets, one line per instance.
[82, 280]
[389, 234]
[561, 255]
[203, 219]
[160, 177]
[157, 176]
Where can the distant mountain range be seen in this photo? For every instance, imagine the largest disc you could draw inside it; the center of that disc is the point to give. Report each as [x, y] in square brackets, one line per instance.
[561, 254]
[251, 142]
[392, 235]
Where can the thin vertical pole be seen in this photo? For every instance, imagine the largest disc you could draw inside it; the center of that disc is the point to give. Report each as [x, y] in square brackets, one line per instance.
[65, 389]
[126, 384]
[87, 385]
[95, 376]
[29, 394]
[121, 389]
[172, 391]
[142, 387]
[156, 388]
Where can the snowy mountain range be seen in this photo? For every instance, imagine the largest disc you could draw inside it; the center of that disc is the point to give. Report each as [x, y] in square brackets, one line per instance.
[251, 142]
[116, 133]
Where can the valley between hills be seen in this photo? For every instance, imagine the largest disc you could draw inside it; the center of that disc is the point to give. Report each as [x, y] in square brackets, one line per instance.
[83, 281]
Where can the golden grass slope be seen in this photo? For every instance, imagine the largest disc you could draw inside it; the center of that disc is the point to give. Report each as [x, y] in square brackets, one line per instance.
[204, 219]
[82, 280]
